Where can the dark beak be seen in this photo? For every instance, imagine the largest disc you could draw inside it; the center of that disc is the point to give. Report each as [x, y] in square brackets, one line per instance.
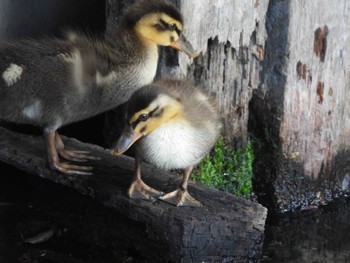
[183, 45]
[128, 138]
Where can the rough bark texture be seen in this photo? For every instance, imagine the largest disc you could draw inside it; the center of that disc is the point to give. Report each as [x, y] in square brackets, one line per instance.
[302, 102]
[226, 227]
[230, 36]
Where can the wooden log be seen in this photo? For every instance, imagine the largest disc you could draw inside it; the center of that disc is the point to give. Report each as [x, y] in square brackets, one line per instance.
[226, 227]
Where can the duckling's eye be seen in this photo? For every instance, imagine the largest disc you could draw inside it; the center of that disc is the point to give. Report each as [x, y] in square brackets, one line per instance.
[172, 26]
[143, 117]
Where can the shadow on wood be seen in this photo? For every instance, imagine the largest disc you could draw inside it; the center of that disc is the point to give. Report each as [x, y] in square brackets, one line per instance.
[226, 227]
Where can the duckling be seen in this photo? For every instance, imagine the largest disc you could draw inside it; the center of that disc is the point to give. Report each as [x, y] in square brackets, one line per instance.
[173, 125]
[54, 82]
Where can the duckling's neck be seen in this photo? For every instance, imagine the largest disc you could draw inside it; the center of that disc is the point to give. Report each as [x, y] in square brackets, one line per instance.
[138, 68]
[147, 64]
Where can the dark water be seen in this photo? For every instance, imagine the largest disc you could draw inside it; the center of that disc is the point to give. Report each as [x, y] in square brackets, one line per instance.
[43, 222]
[315, 236]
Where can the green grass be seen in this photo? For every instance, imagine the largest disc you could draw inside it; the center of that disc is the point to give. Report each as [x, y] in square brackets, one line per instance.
[227, 169]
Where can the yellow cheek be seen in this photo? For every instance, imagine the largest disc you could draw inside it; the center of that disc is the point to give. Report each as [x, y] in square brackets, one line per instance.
[152, 125]
[174, 36]
[141, 128]
[162, 38]
[166, 37]
[149, 126]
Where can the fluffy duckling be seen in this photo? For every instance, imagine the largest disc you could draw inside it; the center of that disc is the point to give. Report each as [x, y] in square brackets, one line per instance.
[53, 82]
[173, 125]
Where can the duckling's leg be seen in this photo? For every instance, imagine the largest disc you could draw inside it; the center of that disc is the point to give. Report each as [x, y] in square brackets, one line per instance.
[54, 158]
[138, 189]
[72, 155]
[181, 197]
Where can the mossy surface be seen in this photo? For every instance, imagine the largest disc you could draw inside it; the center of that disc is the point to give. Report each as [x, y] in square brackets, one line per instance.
[228, 169]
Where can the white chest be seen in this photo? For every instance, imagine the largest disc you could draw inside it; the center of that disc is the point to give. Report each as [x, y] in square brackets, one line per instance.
[148, 69]
[172, 146]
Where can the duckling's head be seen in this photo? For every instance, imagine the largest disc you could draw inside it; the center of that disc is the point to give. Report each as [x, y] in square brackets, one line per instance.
[159, 22]
[148, 108]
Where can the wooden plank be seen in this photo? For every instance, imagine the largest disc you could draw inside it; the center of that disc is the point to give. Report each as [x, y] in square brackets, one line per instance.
[226, 227]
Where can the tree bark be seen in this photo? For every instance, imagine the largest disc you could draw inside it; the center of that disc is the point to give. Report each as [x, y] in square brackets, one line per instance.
[230, 36]
[225, 227]
[300, 110]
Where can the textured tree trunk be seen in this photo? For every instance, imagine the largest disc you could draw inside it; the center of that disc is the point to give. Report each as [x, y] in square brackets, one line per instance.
[301, 109]
[226, 227]
[231, 37]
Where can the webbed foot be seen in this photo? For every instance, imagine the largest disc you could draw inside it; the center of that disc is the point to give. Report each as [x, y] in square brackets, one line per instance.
[180, 197]
[55, 148]
[77, 156]
[71, 169]
[139, 190]
[72, 155]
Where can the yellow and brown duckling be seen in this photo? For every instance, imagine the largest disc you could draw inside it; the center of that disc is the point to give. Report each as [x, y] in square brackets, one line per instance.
[54, 82]
[173, 126]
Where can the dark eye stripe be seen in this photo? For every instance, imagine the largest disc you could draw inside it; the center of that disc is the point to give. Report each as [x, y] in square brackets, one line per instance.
[163, 23]
[150, 114]
[158, 114]
[134, 124]
[143, 129]
[161, 27]
[165, 26]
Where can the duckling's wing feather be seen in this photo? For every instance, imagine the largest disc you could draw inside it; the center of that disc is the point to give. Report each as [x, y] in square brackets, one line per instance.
[32, 75]
[30, 52]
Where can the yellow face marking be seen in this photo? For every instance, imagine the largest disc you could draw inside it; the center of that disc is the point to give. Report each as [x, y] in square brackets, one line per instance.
[169, 110]
[170, 114]
[147, 29]
[146, 127]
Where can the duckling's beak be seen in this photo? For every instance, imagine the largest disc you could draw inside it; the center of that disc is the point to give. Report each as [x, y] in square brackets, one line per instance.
[183, 45]
[125, 141]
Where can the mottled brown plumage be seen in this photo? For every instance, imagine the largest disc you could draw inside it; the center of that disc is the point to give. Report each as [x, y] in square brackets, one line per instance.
[54, 82]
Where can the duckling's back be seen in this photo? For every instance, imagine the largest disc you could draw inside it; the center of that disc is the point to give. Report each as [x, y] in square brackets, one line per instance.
[21, 86]
[199, 107]
[52, 82]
